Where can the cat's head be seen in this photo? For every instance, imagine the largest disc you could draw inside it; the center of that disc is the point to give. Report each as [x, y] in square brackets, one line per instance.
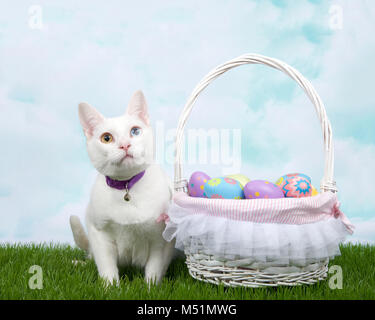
[119, 147]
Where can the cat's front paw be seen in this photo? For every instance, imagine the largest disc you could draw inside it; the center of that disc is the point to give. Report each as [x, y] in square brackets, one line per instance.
[153, 279]
[108, 282]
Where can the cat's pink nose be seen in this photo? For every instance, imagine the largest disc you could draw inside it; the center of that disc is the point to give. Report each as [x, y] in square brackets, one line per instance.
[125, 147]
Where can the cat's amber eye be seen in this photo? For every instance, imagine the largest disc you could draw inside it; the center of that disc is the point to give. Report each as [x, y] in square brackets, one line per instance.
[106, 137]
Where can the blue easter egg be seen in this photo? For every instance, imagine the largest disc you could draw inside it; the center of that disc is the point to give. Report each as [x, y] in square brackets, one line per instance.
[223, 188]
[295, 185]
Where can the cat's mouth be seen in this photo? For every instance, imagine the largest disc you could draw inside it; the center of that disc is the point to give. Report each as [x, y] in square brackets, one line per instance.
[127, 156]
[124, 158]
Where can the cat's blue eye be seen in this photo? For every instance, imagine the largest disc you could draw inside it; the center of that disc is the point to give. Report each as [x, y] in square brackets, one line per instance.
[135, 131]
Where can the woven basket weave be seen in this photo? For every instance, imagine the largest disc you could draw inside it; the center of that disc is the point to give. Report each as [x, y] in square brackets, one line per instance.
[246, 276]
[209, 268]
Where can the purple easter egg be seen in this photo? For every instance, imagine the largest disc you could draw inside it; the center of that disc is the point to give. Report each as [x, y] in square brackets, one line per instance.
[196, 183]
[258, 189]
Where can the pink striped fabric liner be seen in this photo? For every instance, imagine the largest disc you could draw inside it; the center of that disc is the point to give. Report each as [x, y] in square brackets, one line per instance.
[283, 210]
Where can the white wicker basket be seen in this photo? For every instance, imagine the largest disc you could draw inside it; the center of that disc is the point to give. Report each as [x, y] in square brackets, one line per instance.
[239, 271]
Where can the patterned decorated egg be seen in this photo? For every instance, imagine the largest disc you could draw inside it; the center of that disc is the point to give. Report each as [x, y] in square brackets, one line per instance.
[196, 183]
[295, 185]
[257, 189]
[223, 188]
[241, 178]
[291, 175]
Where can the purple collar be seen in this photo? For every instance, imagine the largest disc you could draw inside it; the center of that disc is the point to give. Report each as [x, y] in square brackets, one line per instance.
[124, 184]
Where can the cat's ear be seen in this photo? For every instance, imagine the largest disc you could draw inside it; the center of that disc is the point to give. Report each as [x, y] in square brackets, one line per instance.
[89, 118]
[138, 106]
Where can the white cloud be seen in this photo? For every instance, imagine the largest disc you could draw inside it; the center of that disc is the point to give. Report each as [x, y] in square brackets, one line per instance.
[364, 231]
[57, 228]
[346, 82]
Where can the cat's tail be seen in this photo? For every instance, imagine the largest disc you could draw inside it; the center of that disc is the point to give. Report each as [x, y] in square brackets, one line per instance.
[79, 234]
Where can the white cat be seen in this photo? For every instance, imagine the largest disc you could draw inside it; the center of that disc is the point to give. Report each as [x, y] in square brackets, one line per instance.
[123, 227]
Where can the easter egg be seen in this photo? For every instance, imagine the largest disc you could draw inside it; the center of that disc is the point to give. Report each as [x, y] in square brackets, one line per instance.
[314, 192]
[295, 185]
[241, 178]
[196, 183]
[258, 189]
[291, 175]
[223, 188]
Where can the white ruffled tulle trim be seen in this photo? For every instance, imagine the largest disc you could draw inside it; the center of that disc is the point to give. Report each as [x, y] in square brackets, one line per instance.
[267, 243]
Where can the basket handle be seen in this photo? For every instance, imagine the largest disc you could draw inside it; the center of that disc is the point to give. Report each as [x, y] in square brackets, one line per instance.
[327, 183]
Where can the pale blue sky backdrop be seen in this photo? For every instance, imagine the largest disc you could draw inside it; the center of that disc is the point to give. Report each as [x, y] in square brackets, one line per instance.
[102, 51]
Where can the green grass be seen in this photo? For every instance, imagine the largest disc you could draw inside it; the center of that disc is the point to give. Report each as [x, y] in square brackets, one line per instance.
[63, 280]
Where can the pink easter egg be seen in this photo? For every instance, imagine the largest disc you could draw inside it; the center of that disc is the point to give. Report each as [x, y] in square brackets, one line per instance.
[196, 184]
[258, 189]
[295, 185]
